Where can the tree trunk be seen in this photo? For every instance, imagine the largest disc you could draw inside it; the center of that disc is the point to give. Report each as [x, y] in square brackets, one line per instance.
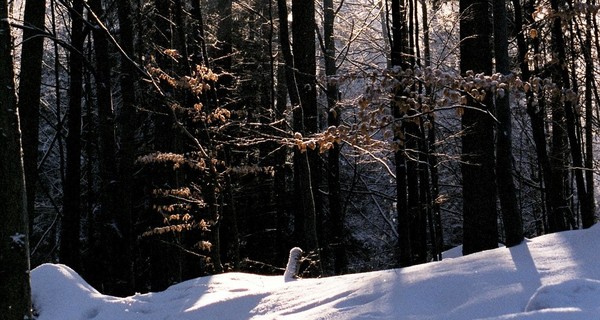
[281, 168]
[513, 224]
[305, 115]
[435, 223]
[563, 117]
[336, 213]
[200, 55]
[110, 233]
[536, 113]
[399, 45]
[294, 96]
[29, 93]
[480, 229]
[589, 218]
[126, 122]
[417, 216]
[70, 247]
[14, 230]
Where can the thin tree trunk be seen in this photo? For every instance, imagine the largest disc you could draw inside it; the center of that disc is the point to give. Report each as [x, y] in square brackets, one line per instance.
[224, 62]
[589, 218]
[424, 207]
[513, 223]
[294, 96]
[333, 160]
[435, 222]
[126, 123]
[279, 183]
[58, 99]
[413, 200]
[112, 242]
[536, 113]
[200, 55]
[399, 46]
[70, 246]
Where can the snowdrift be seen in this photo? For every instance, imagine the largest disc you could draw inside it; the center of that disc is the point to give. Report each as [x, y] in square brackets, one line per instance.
[550, 277]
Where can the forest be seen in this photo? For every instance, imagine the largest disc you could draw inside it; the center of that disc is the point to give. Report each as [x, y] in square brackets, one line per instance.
[147, 142]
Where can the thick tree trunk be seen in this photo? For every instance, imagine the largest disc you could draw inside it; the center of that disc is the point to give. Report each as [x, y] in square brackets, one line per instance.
[305, 116]
[14, 230]
[70, 231]
[480, 227]
[305, 214]
[559, 216]
[563, 117]
[29, 93]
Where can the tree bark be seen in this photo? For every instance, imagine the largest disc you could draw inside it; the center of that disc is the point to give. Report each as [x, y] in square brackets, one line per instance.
[563, 117]
[513, 223]
[480, 229]
[126, 122]
[399, 46]
[536, 113]
[333, 160]
[15, 303]
[70, 245]
[305, 116]
[589, 217]
[29, 93]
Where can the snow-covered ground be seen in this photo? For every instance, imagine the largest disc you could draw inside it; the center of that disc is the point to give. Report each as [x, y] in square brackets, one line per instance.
[551, 277]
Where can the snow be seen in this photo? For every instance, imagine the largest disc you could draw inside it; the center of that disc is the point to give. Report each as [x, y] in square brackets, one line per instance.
[550, 277]
[18, 239]
[292, 265]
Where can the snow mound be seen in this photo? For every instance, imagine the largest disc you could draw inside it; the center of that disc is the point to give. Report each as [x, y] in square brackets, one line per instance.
[582, 294]
[574, 299]
[55, 287]
[555, 276]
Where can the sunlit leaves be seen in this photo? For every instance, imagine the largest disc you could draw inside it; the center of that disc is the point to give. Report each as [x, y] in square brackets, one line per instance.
[417, 95]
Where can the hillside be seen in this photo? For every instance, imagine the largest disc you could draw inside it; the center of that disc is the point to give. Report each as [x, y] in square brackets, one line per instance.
[550, 277]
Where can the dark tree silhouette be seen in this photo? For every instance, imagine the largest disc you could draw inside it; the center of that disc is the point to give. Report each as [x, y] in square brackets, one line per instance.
[15, 303]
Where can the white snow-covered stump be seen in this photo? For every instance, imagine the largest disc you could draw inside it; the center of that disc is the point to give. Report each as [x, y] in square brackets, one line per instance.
[291, 269]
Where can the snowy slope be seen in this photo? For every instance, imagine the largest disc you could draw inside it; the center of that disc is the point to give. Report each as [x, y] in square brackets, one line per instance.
[550, 277]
